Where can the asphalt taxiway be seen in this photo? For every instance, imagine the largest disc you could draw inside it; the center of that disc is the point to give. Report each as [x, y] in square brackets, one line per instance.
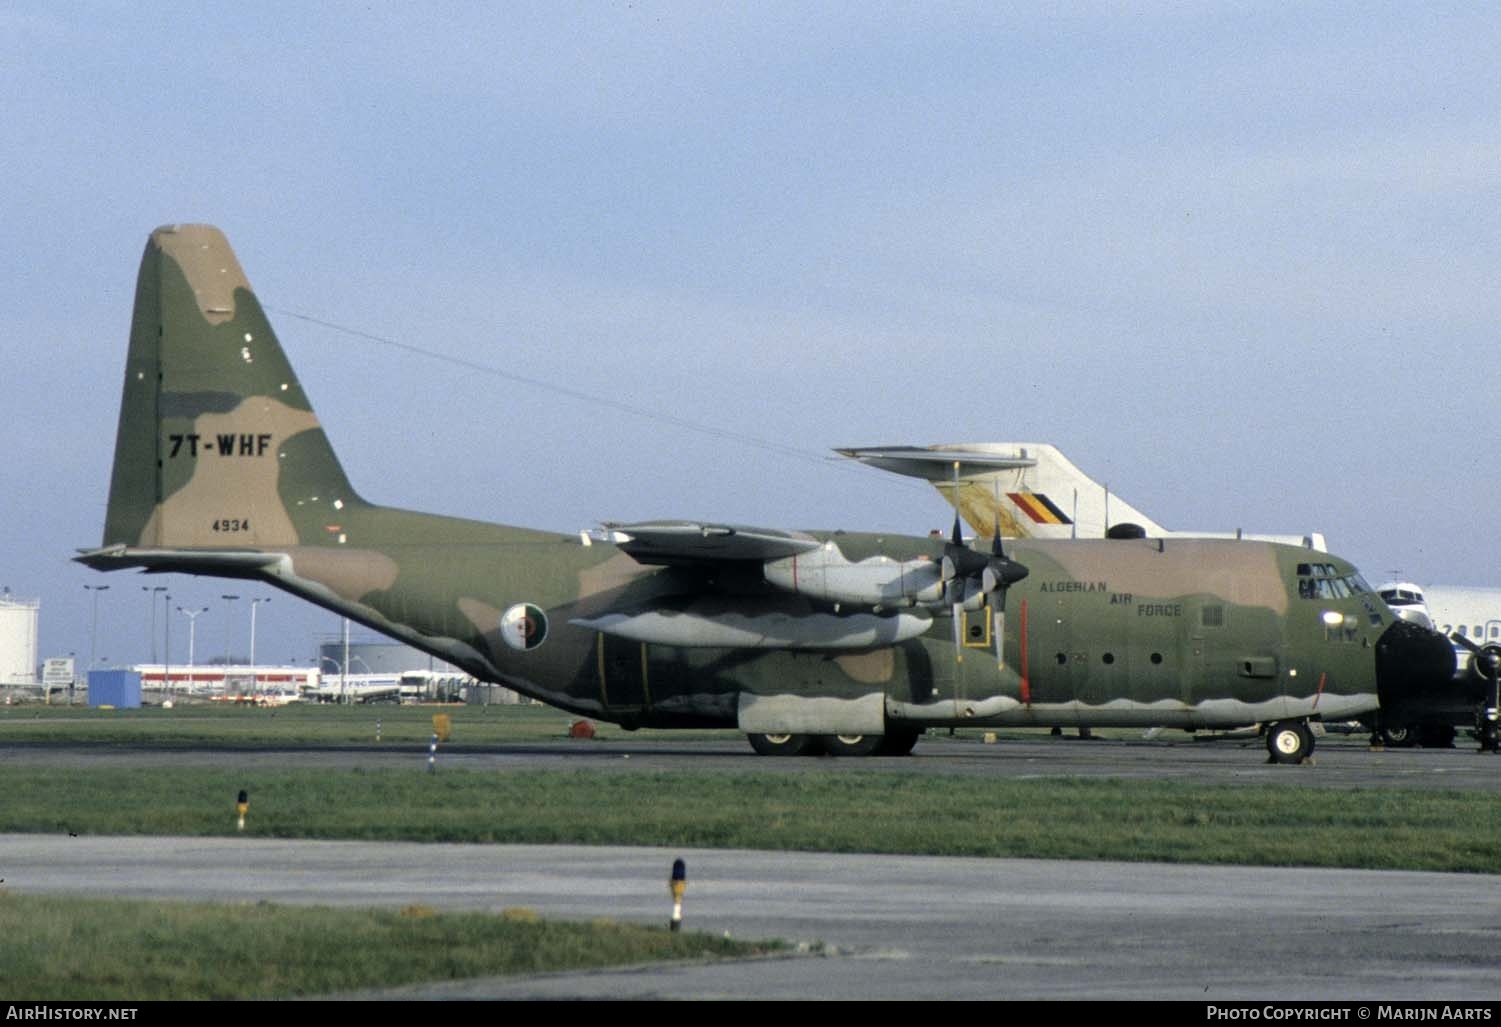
[1339, 762]
[887, 926]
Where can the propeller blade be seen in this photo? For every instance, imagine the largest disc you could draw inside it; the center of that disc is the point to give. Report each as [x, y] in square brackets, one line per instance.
[1465, 641]
[1485, 663]
[998, 632]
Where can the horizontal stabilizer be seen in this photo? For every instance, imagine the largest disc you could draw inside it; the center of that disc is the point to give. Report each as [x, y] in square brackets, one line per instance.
[936, 463]
[224, 562]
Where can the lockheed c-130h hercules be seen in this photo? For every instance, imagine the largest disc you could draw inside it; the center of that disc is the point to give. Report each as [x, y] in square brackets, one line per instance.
[845, 643]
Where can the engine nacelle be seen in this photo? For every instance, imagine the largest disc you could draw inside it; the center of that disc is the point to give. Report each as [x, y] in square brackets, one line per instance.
[826, 575]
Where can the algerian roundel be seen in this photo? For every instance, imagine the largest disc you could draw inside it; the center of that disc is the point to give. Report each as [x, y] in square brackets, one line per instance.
[523, 626]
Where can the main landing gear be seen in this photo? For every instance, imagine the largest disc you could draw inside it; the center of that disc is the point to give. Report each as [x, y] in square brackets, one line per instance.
[1488, 733]
[1289, 741]
[895, 742]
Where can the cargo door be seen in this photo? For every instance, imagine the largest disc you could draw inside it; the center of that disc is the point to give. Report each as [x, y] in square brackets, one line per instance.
[621, 665]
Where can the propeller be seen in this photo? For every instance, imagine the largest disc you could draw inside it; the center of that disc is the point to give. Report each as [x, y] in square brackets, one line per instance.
[1485, 664]
[1001, 572]
[969, 576]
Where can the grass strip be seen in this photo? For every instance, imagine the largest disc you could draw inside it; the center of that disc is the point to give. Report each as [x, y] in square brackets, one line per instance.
[55, 948]
[208, 724]
[944, 815]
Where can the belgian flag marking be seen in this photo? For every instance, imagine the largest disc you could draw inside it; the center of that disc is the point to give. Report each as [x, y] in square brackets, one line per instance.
[1038, 507]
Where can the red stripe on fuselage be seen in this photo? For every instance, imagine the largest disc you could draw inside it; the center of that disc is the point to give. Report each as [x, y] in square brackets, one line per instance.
[1022, 640]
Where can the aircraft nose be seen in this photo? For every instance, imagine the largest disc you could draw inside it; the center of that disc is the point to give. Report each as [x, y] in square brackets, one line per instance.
[1412, 663]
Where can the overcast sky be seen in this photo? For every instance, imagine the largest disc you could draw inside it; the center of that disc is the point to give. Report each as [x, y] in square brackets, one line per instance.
[1241, 261]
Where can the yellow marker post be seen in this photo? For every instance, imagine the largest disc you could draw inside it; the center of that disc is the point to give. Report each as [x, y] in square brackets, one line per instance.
[677, 886]
[242, 806]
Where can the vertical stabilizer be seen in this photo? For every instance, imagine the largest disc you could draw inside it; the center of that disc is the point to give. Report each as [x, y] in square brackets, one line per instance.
[1029, 488]
[218, 446]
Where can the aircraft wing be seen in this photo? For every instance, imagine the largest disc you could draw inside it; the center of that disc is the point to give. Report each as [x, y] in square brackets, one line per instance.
[823, 602]
[688, 543]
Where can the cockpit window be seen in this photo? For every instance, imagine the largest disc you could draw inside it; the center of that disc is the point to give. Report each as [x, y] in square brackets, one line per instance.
[1326, 581]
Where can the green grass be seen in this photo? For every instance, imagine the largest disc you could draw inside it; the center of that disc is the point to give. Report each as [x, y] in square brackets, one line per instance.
[67, 948]
[879, 810]
[883, 812]
[206, 724]
[74, 949]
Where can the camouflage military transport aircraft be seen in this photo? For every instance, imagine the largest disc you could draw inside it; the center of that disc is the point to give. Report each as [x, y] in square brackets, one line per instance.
[806, 641]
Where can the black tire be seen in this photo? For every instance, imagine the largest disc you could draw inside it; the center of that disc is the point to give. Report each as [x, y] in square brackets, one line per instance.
[1488, 733]
[1289, 741]
[898, 741]
[851, 745]
[1436, 736]
[1399, 736]
[785, 745]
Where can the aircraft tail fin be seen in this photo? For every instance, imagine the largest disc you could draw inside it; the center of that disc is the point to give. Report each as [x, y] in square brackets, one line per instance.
[1029, 488]
[218, 447]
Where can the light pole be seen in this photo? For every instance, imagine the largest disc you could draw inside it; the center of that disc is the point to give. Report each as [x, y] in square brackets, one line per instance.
[253, 604]
[167, 644]
[255, 679]
[151, 595]
[229, 602]
[94, 629]
[192, 616]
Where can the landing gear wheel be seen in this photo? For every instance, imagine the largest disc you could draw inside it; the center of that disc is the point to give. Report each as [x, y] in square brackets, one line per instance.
[898, 741]
[1289, 741]
[1436, 736]
[1398, 736]
[785, 745]
[851, 745]
[1489, 735]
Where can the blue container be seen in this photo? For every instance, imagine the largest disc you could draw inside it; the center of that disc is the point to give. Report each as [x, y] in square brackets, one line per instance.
[118, 688]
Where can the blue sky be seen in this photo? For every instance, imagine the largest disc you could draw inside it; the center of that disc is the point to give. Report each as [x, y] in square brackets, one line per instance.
[1239, 260]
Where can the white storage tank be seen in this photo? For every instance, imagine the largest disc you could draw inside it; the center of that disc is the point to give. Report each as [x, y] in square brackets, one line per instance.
[18, 640]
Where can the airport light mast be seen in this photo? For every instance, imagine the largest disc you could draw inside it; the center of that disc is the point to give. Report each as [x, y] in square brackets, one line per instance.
[151, 592]
[253, 604]
[94, 628]
[229, 602]
[192, 616]
[167, 644]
